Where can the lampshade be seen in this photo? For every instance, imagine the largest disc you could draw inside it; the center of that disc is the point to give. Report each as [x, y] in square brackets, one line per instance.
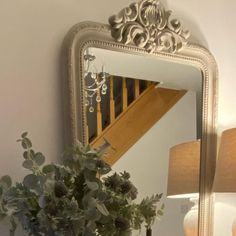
[225, 177]
[184, 162]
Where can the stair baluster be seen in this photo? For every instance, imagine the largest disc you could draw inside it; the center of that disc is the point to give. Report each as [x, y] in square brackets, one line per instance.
[124, 94]
[136, 88]
[112, 101]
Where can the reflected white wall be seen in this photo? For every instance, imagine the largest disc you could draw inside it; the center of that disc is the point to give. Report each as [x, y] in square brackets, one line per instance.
[225, 213]
[147, 161]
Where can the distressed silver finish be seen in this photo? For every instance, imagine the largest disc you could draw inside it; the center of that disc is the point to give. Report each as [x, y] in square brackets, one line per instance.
[147, 25]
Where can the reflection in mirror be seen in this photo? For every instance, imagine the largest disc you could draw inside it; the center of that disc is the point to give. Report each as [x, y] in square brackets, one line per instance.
[144, 106]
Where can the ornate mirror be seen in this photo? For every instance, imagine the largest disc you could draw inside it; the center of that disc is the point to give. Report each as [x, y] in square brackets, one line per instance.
[142, 86]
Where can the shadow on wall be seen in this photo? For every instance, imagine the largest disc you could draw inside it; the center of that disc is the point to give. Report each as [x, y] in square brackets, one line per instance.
[185, 17]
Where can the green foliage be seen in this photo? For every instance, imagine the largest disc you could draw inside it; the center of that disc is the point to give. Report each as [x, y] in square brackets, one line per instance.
[72, 199]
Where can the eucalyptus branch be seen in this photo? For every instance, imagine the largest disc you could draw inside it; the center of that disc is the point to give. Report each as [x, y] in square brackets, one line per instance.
[74, 199]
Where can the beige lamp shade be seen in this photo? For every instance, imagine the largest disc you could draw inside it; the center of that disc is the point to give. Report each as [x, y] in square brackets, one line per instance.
[183, 176]
[225, 177]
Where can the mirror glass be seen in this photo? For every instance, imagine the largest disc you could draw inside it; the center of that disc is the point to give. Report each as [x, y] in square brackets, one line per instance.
[144, 106]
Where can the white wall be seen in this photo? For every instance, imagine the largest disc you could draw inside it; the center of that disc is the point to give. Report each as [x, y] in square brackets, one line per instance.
[169, 74]
[30, 82]
[147, 162]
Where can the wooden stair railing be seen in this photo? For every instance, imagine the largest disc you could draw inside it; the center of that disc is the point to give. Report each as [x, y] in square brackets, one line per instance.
[135, 119]
[113, 112]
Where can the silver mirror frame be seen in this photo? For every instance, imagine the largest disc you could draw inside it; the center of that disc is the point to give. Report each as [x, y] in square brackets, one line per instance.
[91, 34]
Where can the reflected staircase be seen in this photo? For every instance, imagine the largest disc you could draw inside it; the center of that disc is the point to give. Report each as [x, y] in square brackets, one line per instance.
[128, 110]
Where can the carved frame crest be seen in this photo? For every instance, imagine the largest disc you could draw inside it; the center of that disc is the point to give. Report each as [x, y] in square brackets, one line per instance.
[147, 25]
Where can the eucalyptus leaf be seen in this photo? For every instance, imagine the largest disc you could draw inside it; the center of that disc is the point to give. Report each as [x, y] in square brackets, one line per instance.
[27, 142]
[26, 155]
[160, 212]
[92, 152]
[92, 214]
[6, 181]
[88, 232]
[39, 158]
[90, 164]
[102, 208]
[92, 202]
[31, 181]
[90, 175]
[103, 148]
[24, 134]
[102, 196]
[24, 144]
[42, 201]
[92, 185]
[60, 189]
[49, 186]
[48, 169]
[28, 164]
[105, 170]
